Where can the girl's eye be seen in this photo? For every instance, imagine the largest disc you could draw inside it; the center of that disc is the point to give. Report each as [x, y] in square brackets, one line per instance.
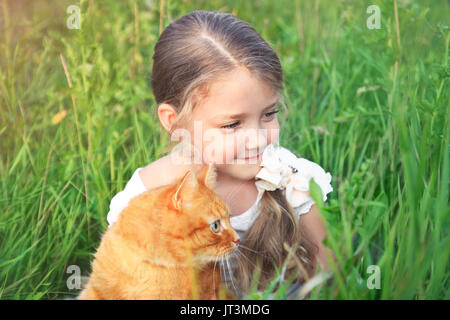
[215, 226]
[235, 124]
[268, 115]
[231, 126]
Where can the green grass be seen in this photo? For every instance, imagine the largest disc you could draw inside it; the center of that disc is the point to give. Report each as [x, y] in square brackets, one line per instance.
[370, 106]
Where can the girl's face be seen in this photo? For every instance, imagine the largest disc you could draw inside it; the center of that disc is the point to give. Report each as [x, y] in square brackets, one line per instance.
[234, 124]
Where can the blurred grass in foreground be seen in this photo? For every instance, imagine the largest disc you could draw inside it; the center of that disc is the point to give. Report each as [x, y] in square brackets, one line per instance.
[370, 106]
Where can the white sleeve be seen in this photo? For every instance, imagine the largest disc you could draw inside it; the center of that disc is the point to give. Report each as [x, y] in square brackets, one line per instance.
[304, 208]
[133, 188]
[308, 170]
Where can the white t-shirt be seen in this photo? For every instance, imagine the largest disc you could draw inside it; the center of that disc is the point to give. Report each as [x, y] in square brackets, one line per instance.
[242, 222]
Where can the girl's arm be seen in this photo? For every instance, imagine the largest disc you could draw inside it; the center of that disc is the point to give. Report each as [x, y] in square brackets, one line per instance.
[317, 231]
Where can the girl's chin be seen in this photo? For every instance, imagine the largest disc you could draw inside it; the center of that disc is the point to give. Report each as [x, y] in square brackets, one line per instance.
[246, 171]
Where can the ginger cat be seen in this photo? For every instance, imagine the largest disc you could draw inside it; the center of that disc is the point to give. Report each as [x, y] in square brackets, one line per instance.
[166, 244]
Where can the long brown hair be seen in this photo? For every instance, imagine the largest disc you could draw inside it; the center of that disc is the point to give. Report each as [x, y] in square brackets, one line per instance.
[190, 54]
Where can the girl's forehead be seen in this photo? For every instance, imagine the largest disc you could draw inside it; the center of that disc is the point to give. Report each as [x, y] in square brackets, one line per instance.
[236, 92]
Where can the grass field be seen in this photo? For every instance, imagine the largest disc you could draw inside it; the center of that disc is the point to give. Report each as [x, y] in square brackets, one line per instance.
[371, 106]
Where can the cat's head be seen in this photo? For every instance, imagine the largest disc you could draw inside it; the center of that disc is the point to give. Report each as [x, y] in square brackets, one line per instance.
[184, 220]
[199, 218]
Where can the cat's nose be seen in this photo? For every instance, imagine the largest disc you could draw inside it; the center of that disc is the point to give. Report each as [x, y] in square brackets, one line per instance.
[236, 240]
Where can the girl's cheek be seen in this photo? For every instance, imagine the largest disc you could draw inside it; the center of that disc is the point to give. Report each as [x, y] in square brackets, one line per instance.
[215, 147]
[273, 134]
[229, 149]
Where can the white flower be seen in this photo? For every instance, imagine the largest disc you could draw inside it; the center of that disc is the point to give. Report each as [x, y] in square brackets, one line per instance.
[297, 190]
[272, 172]
[281, 169]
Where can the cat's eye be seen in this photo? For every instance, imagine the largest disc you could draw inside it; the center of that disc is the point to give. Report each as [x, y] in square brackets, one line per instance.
[215, 226]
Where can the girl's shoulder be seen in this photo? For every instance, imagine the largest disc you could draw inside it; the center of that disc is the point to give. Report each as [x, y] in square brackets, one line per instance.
[164, 171]
[155, 174]
[133, 188]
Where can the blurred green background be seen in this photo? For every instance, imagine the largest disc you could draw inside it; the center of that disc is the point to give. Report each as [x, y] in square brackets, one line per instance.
[371, 106]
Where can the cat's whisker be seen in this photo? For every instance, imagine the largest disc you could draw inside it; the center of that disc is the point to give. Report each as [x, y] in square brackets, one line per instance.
[214, 270]
[231, 275]
[222, 269]
[243, 255]
[254, 265]
[247, 248]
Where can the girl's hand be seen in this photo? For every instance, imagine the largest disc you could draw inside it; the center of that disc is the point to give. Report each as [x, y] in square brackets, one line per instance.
[312, 222]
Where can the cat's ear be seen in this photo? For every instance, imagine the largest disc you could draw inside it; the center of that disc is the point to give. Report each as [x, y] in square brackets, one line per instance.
[208, 176]
[188, 181]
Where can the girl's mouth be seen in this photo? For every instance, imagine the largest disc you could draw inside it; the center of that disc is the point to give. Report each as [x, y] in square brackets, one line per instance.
[253, 158]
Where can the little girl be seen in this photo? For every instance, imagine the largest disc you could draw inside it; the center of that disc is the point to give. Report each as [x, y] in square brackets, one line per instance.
[217, 84]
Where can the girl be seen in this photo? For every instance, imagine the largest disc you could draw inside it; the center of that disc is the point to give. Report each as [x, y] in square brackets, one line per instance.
[217, 85]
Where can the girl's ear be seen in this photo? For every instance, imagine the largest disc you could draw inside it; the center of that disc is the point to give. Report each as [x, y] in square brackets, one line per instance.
[208, 176]
[167, 115]
[188, 181]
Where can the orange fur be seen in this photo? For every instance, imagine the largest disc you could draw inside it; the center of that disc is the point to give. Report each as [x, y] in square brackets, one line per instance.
[162, 245]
